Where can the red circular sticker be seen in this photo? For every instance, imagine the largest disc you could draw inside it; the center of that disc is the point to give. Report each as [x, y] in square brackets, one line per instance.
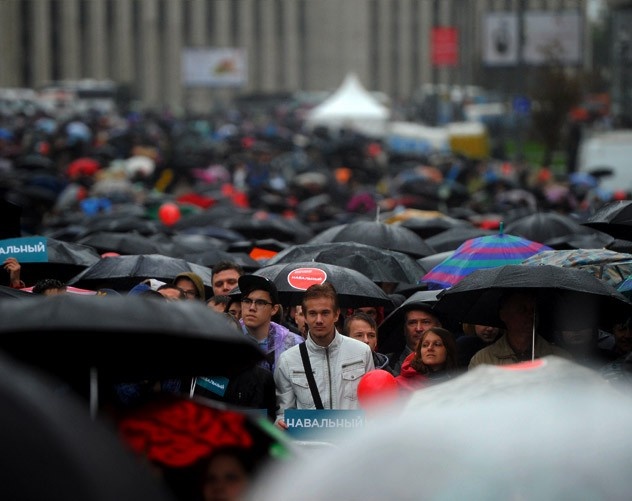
[302, 278]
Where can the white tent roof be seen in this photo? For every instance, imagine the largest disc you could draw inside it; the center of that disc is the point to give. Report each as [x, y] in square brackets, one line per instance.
[351, 106]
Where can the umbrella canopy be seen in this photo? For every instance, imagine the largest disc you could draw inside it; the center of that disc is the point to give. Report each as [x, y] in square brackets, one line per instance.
[380, 265]
[429, 227]
[450, 239]
[11, 293]
[377, 234]
[354, 289]
[211, 257]
[51, 449]
[121, 273]
[613, 218]
[121, 242]
[429, 262]
[44, 257]
[479, 253]
[613, 267]
[264, 225]
[492, 434]
[127, 338]
[475, 299]
[544, 226]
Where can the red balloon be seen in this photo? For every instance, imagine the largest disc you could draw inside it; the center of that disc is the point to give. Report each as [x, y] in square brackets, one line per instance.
[169, 213]
[377, 387]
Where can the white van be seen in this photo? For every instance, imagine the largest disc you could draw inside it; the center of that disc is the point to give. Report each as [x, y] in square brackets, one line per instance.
[610, 152]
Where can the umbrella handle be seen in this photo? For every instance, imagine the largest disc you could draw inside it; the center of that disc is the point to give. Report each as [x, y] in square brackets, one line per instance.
[535, 318]
[94, 392]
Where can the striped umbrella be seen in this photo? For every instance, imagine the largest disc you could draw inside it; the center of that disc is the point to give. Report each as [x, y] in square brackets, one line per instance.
[478, 253]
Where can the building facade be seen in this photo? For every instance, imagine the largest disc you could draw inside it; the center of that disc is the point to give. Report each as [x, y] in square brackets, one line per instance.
[291, 45]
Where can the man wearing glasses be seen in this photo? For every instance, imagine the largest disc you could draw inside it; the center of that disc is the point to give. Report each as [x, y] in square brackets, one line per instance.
[259, 304]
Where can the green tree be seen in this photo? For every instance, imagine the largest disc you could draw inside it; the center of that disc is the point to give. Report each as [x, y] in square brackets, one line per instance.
[555, 92]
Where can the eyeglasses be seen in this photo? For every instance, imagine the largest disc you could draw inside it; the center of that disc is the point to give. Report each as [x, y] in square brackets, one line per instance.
[259, 303]
[190, 293]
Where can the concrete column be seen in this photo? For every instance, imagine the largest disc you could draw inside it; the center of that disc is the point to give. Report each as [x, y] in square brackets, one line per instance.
[384, 45]
[221, 23]
[97, 42]
[199, 29]
[198, 36]
[246, 39]
[173, 43]
[70, 40]
[292, 58]
[405, 72]
[40, 31]
[426, 24]
[270, 53]
[123, 44]
[12, 53]
[149, 70]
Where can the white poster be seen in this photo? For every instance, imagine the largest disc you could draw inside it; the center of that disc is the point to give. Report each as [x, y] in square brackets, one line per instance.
[556, 34]
[214, 67]
[500, 39]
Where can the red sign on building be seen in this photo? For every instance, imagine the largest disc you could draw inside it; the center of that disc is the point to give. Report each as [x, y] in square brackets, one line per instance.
[445, 46]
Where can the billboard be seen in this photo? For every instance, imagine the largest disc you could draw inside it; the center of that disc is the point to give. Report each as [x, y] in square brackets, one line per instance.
[546, 34]
[500, 39]
[214, 67]
[445, 46]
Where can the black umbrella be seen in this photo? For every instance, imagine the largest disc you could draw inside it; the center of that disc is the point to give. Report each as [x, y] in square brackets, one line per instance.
[123, 222]
[211, 257]
[54, 258]
[377, 234]
[9, 292]
[429, 227]
[121, 242]
[475, 299]
[614, 218]
[123, 338]
[450, 239]
[52, 450]
[545, 226]
[124, 272]
[354, 289]
[380, 265]
[429, 262]
[254, 227]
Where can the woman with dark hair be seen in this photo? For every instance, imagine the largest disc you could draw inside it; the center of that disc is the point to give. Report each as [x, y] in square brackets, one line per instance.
[433, 361]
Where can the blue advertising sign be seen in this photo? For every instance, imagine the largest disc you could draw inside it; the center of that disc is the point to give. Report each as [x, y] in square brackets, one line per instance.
[317, 423]
[25, 249]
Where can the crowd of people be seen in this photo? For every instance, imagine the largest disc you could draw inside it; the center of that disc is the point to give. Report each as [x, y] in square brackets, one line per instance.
[316, 352]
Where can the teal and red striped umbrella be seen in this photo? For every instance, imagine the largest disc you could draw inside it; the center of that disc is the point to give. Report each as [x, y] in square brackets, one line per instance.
[488, 251]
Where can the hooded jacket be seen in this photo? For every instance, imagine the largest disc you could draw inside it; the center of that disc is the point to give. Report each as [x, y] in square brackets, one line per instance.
[409, 378]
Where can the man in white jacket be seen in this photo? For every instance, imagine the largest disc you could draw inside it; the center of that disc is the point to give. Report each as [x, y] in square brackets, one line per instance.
[337, 362]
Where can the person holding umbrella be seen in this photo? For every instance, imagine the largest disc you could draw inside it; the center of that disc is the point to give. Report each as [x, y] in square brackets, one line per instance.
[519, 343]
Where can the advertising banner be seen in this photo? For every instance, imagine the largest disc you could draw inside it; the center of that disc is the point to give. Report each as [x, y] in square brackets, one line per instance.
[214, 67]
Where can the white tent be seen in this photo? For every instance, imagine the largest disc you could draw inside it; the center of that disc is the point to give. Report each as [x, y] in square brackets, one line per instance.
[353, 107]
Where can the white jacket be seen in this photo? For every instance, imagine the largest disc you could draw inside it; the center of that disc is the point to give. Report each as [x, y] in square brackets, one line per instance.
[337, 370]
